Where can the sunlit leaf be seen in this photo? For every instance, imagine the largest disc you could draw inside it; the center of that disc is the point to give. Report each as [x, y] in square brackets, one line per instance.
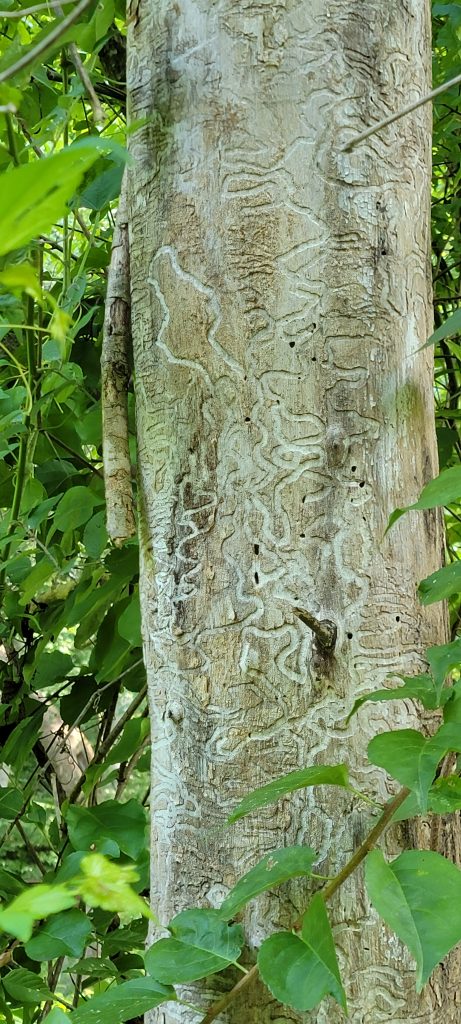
[320, 775]
[419, 896]
[301, 969]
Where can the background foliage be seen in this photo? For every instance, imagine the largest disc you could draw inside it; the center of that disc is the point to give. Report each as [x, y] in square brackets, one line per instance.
[70, 654]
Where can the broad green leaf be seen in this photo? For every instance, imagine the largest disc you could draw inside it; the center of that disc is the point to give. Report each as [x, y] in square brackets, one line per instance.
[441, 584]
[123, 1002]
[129, 623]
[320, 775]
[452, 325]
[11, 801]
[108, 885]
[452, 707]
[94, 967]
[272, 870]
[445, 489]
[125, 823]
[134, 732]
[37, 902]
[412, 758]
[107, 176]
[201, 944]
[301, 969]
[35, 579]
[10, 885]
[442, 659]
[133, 936]
[64, 935]
[95, 535]
[26, 987]
[419, 896]
[49, 668]
[21, 277]
[35, 195]
[415, 688]
[57, 1016]
[75, 508]
[21, 740]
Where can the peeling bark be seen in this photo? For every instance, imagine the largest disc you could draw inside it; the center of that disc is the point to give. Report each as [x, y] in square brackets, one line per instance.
[280, 293]
[116, 372]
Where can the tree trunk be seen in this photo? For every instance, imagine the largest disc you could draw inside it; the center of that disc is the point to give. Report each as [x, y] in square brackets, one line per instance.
[280, 294]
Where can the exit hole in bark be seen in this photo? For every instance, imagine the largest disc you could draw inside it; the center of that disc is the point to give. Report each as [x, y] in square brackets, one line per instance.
[256, 577]
[302, 534]
[353, 469]
[314, 359]
[247, 419]
[256, 549]
[349, 636]
[291, 344]
[362, 483]
[397, 618]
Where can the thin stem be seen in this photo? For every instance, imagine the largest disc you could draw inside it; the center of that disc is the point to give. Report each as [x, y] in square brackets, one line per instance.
[327, 892]
[107, 744]
[11, 138]
[33, 55]
[401, 113]
[25, 11]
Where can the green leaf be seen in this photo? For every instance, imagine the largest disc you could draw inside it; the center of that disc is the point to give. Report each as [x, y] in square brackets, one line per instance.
[123, 1002]
[202, 944]
[320, 775]
[108, 885]
[35, 195]
[419, 896]
[301, 969]
[64, 935]
[75, 508]
[134, 732]
[445, 489]
[26, 987]
[129, 622]
[57, 1016]
[11, 801]
[412, 758]
[95, 535]
[272, 870]
[21, 740]
[452, 325]
[441, 584]
[37, 902]
[445, 795]
[442, 659]
[94, 967]
[21, 277]
[123, 823]
[415, 688]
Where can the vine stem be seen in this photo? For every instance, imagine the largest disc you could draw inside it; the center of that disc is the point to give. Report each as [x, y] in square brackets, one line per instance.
[327, 892]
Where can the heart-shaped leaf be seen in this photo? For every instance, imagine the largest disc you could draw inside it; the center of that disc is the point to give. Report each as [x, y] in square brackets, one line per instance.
[301, 969]
[201, 944]
[419, 896]
[412, 758]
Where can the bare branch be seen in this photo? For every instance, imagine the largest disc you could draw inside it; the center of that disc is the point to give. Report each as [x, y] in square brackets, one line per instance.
[401, 113]
[32, 55]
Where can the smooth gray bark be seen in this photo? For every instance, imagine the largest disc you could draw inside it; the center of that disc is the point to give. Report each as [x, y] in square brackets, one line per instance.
[280, 294]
